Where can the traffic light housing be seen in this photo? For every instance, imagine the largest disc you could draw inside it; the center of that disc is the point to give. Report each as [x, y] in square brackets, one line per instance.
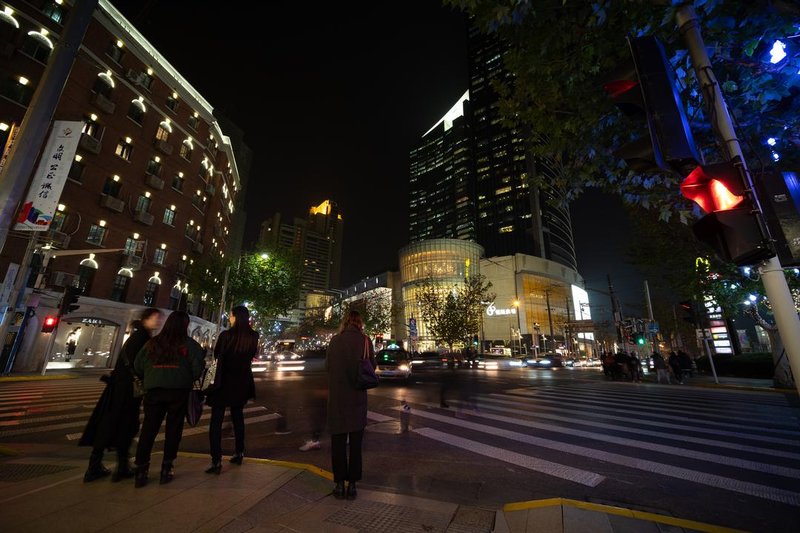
[731, 225]
[69, 302]
[647, 89]
[49, 324]
[688, 311]
[640, 339]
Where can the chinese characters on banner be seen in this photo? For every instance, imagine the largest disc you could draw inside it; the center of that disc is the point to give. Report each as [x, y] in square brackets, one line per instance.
[49, 178]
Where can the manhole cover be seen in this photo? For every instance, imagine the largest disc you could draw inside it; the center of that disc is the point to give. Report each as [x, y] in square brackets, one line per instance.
[375, 517]
[12, 472]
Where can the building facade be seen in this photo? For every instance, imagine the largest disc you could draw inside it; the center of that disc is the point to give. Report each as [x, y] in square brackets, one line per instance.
[155, 181]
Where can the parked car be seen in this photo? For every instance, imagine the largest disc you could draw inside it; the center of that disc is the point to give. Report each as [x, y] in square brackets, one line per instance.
[393, 364]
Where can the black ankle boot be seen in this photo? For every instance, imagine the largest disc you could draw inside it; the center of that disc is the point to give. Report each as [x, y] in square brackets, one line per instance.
[167, 474]
[351, 490]
[96, 470]
[124, 470]
[215, 468]
[140, 479]
[237, 458]
[338, 491]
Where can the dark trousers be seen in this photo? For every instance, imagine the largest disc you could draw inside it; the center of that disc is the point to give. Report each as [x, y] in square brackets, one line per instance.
[344, 470]
[157, 404]
[215, 430]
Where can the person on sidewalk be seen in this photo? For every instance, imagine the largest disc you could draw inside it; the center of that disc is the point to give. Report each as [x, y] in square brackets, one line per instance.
[675, 365]
[169, 363]
[347, 405]
[662, 372]
[235, 350]
[115, 420]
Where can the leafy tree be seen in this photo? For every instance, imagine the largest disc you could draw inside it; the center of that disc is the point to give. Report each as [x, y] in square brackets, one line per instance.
[453, 313]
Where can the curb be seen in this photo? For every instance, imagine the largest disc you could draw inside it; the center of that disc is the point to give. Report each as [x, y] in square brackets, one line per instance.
[287, 464]
[5, 379]
[5, 451]
[743, 388]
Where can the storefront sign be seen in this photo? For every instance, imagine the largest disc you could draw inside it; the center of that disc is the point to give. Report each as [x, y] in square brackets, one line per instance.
[491, 310]
[91, 321]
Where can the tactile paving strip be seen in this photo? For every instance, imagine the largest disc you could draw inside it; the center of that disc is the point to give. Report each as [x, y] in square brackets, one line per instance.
[376, 517]
[13, 472]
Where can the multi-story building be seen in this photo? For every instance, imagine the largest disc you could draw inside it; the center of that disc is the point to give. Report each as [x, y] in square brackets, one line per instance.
[154, 177]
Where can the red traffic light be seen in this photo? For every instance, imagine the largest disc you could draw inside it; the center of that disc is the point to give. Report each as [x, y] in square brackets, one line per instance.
[714, 187]
[49, 324]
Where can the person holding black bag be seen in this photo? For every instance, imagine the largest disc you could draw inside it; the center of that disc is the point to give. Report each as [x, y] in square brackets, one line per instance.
[115, 420]
[233, 385]
[347, 401]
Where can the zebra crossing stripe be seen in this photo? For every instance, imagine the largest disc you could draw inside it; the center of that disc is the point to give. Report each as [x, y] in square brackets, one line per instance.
[23, 420]
[197, 430]
[639, 431]
[694, 476]
[569, 473]
[638, 419]
[644, 445]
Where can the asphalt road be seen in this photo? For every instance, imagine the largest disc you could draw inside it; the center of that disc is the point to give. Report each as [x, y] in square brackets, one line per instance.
[725, 457]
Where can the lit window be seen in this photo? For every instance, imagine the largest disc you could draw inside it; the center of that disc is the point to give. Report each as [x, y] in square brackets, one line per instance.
[186, 149]
[53, 11]
[177, 181]
[506, 229]
[169, 215]
[143, 203]
[172, 102]
[160, 256]
[124, 149]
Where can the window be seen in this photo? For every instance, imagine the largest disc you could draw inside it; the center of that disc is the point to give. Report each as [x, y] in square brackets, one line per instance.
[145, 80]
[92, 128]
[154, 167]
[18, 89]
[163, 133]
[199, 201]
[191, 232]
[160, 256]
[124, 149]
[151, 293]
[143, 204]
[85, 278]
[77, 168]
[119, 291]
[136, 111]
[37, 46]
[54, 11]
[103, 85]
[116, 52]
[172, 102]
[58, 220]
[96, 235]
[186, 150]
[169, 216]
[133, 246]
[177, 181]
[112, 186]
[194, 121]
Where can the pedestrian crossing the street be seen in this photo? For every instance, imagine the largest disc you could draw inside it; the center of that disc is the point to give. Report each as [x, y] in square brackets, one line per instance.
[742, 442]
[31, 410]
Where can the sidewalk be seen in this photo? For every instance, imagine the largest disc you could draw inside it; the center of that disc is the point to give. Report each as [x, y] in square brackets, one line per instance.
[40, 491]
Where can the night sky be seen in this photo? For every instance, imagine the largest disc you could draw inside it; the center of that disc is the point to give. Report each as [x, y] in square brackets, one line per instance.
[331, 98]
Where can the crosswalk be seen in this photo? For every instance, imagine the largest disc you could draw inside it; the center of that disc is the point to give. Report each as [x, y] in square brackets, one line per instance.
[593, 433]
[60, 409]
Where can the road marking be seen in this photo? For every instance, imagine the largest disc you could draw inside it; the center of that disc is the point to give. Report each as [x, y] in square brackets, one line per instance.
[569, 473]
[197, 430]
[694, 476]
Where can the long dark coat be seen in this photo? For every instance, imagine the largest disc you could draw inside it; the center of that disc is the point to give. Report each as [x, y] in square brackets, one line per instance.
[235, 371]
[347, 405]
[115, 419]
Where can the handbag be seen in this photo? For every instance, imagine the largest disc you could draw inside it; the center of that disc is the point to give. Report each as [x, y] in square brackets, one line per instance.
[194, 407]
[366, 378]
[211, 379]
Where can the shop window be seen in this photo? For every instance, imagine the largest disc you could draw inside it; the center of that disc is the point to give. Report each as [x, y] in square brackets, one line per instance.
[54, 11]
[124, 149]
[169, 216]
[177, 182]
[119, 291]
[97, 235]
[112, 187]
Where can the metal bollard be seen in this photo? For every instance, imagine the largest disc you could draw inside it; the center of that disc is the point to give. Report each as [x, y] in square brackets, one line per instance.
[405, 415]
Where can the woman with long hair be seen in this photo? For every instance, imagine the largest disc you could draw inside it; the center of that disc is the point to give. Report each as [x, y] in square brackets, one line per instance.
[347, 404]
[169, 363]
[115, 420]
[234, 352]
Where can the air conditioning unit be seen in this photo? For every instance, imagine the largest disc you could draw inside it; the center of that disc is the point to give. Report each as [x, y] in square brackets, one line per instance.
[57, 238]
[89, 143]
[133, 262]
[115, 204]
[154, 181]
[62, 279]
[144, 217]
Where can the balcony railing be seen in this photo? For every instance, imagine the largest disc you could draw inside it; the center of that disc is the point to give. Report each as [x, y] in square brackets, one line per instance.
[89, 143]
[144, 217]
[115, 204]
[154, 181]
[103, 104]
[163, 146]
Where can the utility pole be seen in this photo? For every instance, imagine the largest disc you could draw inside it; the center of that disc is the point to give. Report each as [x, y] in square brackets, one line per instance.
[650, 334]
[617, 312]
[780, 298]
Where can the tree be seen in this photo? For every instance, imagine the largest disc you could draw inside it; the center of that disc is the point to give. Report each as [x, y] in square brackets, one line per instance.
[453, 313]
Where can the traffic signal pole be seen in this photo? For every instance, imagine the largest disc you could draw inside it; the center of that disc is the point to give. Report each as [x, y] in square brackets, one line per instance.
[780, 298]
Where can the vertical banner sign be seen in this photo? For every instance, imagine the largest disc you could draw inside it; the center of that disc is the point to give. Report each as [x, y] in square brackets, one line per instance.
[51, 174]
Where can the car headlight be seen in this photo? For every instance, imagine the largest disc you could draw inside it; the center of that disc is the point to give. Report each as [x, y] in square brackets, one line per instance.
[403, 368]
[544, 362]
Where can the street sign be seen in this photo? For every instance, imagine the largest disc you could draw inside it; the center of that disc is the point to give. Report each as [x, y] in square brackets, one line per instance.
[653, 327]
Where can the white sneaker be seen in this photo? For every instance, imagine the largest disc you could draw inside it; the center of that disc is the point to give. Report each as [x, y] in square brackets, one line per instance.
[310, 445]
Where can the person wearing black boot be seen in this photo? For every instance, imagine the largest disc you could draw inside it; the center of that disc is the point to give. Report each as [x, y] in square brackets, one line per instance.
[347, 404]
[233, 385]
[169, 363]
[115, 420]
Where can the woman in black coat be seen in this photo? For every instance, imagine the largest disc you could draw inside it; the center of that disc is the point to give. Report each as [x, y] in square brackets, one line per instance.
[234, 352]
[347, 404]
[115, 420]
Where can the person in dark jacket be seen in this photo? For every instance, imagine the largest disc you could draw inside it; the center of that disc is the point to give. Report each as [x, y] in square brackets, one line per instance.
[169, 363]
[347, 405]
[115, 421]
[234, 352]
